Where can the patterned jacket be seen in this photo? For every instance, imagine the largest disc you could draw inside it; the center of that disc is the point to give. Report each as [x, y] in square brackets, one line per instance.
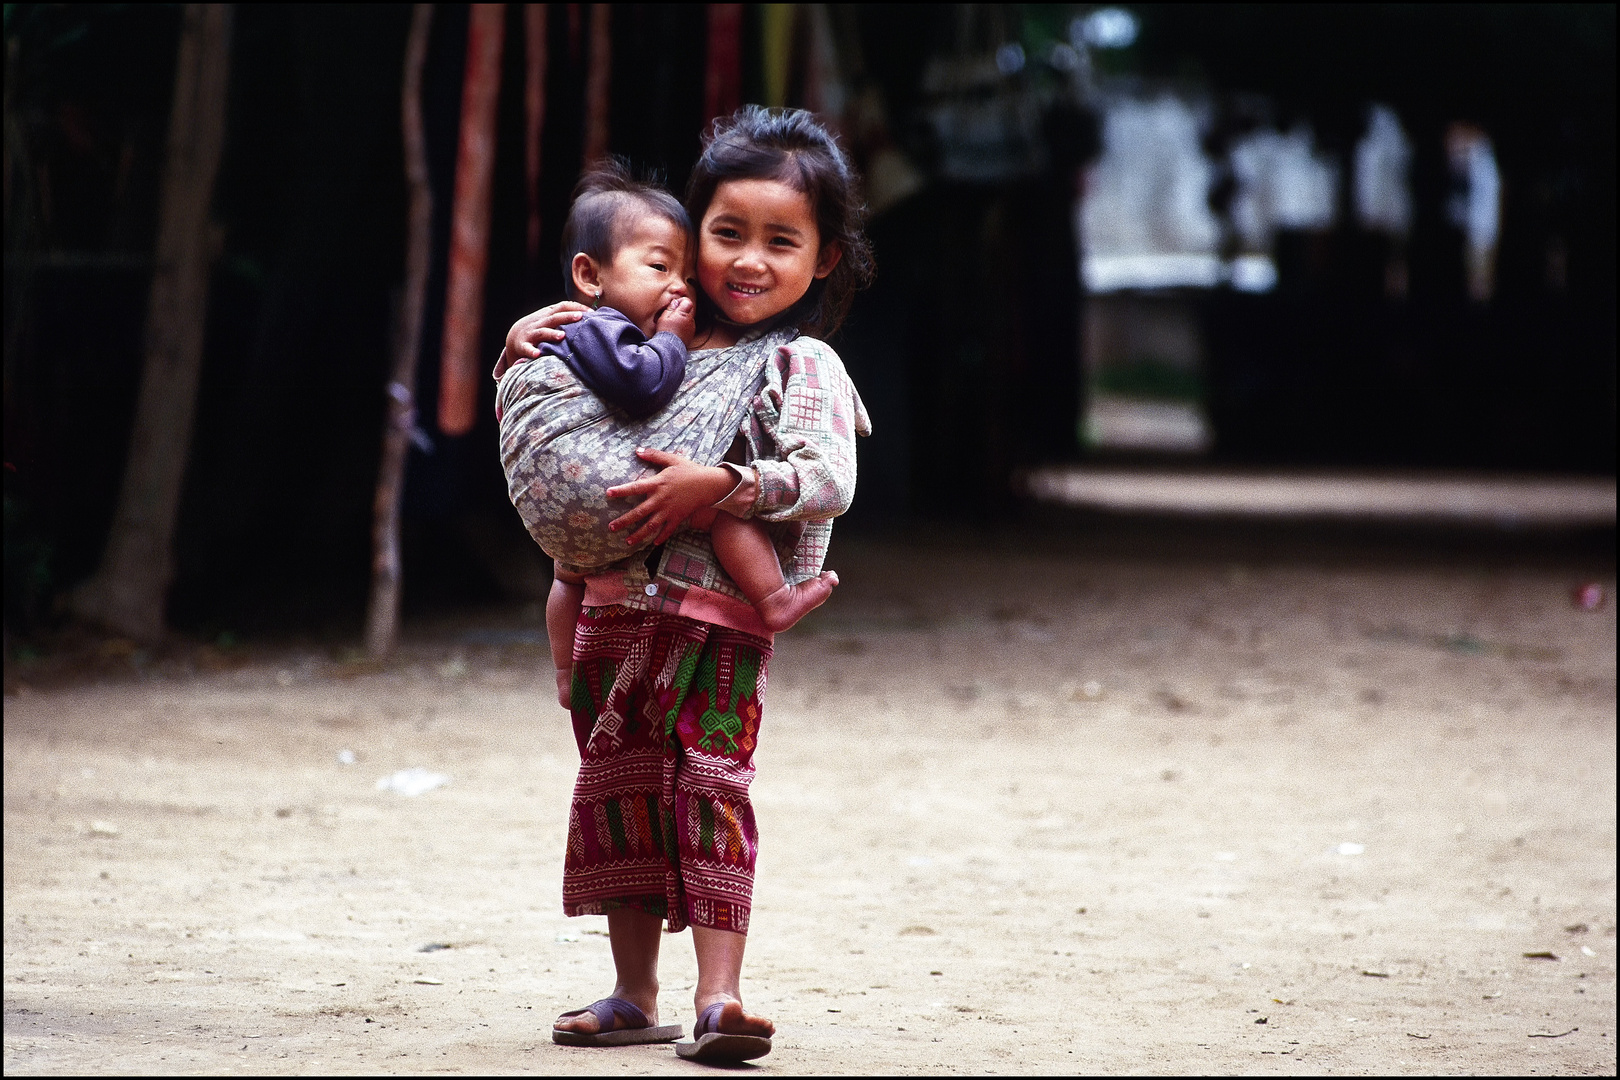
[800, 474]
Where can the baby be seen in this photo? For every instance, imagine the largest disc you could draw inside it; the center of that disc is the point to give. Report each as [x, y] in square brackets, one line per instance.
[626, 251]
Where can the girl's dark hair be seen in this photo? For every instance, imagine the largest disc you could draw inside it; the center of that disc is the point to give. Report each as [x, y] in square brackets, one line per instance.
[791, 145]
[607, 199]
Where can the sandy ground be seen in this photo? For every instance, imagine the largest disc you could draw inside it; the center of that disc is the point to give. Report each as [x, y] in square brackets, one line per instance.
[1058, 812]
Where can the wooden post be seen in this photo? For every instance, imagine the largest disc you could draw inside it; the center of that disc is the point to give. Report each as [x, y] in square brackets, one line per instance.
[534, 115]
[129, 591]
[382, 614]
[722, 83]
[599, 84]
[459, 362]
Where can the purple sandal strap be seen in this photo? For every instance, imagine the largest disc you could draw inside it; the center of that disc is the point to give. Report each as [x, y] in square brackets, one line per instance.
[610, 1010]
[709, 1022]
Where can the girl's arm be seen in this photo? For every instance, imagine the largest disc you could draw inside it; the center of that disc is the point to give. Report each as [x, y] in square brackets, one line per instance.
[543, 325]
[808, 412]
[811, 413]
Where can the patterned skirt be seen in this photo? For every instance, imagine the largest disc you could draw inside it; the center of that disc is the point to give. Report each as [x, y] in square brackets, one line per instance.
[666, 712]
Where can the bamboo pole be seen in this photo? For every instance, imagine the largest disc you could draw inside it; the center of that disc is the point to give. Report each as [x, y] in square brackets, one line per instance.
[382, 615]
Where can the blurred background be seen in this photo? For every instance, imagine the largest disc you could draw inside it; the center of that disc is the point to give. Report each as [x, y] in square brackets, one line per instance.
[1184, 237]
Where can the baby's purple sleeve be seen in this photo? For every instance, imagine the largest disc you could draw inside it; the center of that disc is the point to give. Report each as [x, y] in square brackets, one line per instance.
[622, 366]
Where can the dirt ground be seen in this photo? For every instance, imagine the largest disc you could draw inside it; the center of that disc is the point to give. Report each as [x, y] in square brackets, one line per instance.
[1074, 809]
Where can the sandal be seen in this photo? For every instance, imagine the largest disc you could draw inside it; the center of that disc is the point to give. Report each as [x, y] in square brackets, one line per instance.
[622, 1024]
[709, 1043]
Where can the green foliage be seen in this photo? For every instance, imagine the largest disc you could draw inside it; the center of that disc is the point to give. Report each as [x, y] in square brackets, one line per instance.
[1151, 380]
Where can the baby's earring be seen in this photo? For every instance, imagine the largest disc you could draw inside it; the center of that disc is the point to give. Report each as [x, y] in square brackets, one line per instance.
[596, 301]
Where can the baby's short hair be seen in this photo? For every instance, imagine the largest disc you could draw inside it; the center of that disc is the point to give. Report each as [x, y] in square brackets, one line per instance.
[607, 199]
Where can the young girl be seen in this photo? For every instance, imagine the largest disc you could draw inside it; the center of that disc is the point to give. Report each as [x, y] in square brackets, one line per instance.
[626, 246]
[669, 666]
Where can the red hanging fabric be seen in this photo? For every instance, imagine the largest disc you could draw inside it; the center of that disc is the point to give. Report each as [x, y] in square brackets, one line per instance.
[599, 83]
[534, 115]
[722, 84]
[469, 229]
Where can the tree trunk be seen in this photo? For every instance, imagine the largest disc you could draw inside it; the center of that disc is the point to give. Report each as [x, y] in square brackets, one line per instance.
[129, 591]
[459, 362]
[382, 616]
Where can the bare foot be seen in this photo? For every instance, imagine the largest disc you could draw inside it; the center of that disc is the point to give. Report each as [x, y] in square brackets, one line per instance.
[585, 1022]
[790, 603]
[565, 689]
[735, 1021]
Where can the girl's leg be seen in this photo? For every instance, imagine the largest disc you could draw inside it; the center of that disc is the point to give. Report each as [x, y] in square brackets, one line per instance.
[745, 551]
[562, 613]
[719, 960]
[635, 937]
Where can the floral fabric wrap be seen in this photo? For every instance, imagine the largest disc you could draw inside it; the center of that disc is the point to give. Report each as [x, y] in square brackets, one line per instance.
[562, 447]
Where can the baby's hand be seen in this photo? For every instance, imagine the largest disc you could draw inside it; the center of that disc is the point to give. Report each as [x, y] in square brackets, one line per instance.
[679, 319]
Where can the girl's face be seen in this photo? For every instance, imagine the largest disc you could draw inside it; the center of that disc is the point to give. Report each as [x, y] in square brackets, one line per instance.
[759, 249]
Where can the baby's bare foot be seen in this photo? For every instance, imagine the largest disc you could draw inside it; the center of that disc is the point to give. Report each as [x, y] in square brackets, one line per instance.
[790, 603]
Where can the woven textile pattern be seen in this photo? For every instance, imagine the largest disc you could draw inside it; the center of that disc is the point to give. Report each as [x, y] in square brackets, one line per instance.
[666, 712]
[562, 447]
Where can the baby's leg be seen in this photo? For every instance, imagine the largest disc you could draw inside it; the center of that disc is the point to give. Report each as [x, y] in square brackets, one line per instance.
[562, 613]
[746, 552]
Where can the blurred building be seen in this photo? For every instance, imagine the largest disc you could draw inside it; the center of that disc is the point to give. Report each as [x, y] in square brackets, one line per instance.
[1244, 233]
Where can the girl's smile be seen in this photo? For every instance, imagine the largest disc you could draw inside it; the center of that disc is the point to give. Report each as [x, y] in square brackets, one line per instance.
[759, 250]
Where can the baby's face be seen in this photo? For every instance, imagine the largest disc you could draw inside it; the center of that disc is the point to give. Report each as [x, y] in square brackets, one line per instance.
[648, 271]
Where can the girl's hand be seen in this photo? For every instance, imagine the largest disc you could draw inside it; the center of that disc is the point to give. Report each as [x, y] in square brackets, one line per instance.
[681, 488]
[523, 340]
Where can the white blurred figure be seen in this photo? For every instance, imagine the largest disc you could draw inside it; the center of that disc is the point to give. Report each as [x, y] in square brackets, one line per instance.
[1383, 193]
[1147, 233]
[1145, 220]
[1477, 208]
[1383, 161]
[1282, 183]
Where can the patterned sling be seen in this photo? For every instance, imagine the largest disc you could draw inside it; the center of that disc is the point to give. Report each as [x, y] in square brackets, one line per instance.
[562, 447]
